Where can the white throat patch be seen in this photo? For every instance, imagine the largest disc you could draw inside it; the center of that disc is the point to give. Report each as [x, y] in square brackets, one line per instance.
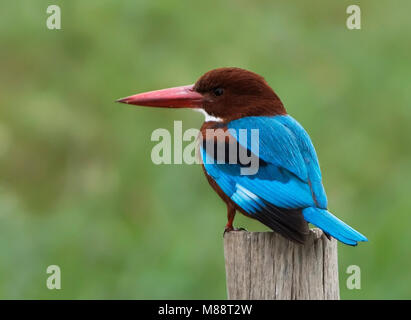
[208, 118]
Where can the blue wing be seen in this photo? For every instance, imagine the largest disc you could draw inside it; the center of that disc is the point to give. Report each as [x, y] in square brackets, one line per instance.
[310, 158]
[290, 164]
[286, 191]
[281, 187]
[284, 143]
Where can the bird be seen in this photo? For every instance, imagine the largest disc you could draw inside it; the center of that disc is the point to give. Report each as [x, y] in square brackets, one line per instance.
[286, 192]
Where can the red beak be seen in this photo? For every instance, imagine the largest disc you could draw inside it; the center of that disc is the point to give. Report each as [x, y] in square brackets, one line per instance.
[178, 97]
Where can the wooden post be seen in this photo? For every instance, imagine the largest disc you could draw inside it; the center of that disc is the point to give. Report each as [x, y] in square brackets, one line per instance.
[266, 266]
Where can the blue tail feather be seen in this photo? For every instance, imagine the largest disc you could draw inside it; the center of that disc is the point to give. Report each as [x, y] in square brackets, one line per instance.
[333, 226]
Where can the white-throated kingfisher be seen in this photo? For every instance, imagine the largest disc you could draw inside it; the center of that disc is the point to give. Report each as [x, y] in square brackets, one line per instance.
[286, 192]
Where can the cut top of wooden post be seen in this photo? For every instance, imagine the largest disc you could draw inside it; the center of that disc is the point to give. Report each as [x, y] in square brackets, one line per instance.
[265, 265]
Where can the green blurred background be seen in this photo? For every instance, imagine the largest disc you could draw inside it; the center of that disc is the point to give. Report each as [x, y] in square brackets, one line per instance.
[77, 185]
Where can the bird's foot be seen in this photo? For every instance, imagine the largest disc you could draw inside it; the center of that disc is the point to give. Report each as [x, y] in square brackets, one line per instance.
[231, 228]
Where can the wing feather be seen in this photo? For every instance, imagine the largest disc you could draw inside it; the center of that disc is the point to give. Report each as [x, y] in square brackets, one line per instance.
[288, 181]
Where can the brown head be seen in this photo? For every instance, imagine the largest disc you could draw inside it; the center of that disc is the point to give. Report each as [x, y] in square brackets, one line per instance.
[224, 93]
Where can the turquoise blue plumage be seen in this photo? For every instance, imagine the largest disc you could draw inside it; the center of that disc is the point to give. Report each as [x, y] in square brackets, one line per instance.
[289, 177]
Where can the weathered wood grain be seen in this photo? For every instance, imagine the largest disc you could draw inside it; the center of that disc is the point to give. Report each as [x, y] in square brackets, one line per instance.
[266, 266]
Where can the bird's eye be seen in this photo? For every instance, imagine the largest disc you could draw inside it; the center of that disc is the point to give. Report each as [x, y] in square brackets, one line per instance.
[218, 91]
